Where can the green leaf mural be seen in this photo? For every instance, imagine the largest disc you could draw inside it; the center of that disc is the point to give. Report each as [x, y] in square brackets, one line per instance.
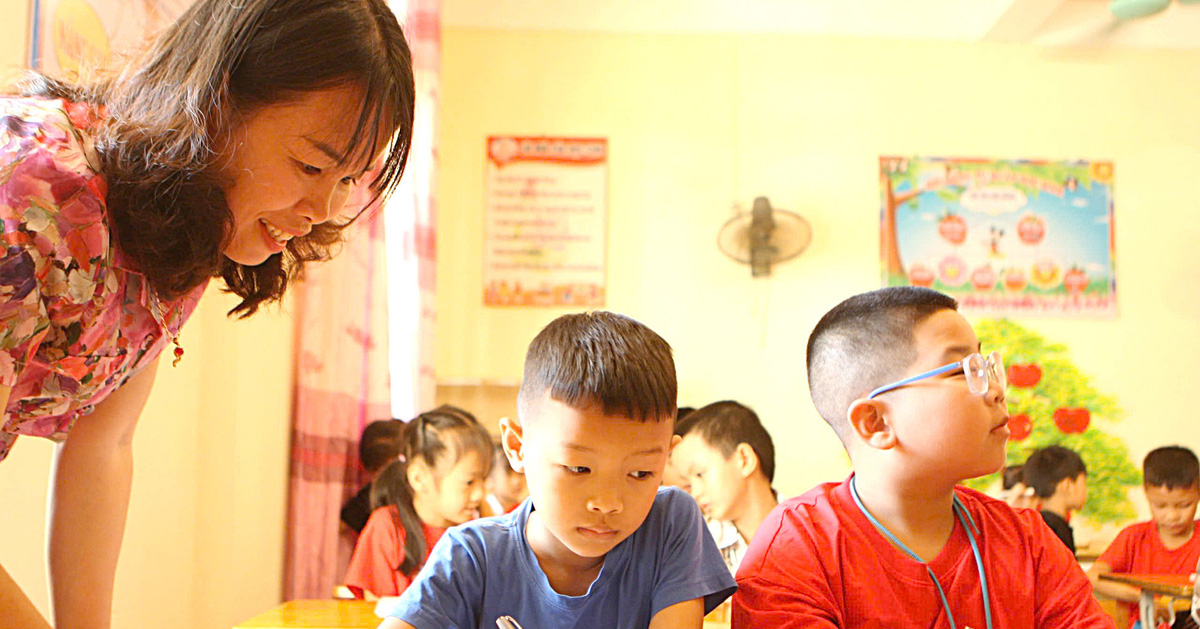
[1060, 385]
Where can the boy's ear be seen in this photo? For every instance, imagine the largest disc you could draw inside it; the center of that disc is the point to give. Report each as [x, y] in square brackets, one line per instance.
[512, 439]
[746, 459]
[868, 419]
[675, 440]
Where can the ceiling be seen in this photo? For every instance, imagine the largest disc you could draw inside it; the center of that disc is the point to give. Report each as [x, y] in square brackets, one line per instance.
[1042, 22]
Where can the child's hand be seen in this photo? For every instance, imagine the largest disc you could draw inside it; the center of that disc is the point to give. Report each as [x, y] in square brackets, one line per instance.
[1164, 612]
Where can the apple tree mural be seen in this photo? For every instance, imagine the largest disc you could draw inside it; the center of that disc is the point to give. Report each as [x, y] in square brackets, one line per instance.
[1052, 402]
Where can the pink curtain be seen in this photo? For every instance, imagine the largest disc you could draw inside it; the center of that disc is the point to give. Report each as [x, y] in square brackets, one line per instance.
[343, 322]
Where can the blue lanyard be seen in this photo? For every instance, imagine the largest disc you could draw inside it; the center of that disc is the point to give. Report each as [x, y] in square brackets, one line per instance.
[968, 524]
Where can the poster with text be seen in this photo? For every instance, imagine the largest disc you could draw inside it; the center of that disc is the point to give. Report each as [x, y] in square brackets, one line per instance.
[1003, 237]
[546, 221]
[72, 39]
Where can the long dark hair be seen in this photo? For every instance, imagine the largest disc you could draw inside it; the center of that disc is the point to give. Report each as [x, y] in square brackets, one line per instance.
[170, 108]
[430, 436]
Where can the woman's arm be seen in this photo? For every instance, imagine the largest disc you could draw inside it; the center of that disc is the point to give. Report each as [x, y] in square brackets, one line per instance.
[88, 505]
[19, 612]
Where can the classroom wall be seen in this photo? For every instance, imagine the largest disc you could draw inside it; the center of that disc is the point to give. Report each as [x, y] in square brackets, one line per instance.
[697, 123]
[203, 546]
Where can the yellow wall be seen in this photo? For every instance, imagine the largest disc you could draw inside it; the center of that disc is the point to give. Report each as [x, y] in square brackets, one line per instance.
[697, 122]
[204, 541]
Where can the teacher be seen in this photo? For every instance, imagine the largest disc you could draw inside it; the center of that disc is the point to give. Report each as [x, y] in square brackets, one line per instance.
[227, 149]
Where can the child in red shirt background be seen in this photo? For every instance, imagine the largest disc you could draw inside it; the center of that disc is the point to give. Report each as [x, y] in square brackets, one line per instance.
[437, 482]
[1168, 543]
[899, 376]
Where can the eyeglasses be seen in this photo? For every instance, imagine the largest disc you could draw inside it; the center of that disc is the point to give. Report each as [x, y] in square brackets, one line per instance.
[977, 369]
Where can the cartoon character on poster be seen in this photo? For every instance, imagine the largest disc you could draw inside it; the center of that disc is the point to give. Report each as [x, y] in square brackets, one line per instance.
[1003, 237]
[74, 37]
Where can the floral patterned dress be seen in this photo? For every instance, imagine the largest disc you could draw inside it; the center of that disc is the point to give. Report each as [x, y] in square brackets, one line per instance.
[75, 322]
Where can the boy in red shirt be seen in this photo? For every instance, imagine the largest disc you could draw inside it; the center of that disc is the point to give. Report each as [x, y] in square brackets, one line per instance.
[1168, 543]
[898, 374]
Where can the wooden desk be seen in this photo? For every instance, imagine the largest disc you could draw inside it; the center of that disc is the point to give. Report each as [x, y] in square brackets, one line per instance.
[1175, 586]
[316, 614]
[333, 614]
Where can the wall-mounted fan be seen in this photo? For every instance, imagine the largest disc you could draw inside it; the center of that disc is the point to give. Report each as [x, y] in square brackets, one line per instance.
[764, 236]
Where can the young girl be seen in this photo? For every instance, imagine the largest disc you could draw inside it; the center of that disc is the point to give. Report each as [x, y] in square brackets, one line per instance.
[437, 482]
[506, 488]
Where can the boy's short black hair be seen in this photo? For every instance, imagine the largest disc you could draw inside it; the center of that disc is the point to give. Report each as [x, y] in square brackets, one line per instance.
[863, 343]
[683, 423]
[1011, 475]
[1173, 467]
[380, 443]
[1049, 466]
[724, 425]
[604, 359]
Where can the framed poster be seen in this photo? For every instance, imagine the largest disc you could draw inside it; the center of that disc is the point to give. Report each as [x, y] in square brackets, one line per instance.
[1003, 237]
[70, 36]
[545, 221]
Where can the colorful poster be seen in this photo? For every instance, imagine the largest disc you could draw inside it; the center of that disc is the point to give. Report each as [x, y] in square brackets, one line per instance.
[546, 221]
[71, 37]
[1004, 237]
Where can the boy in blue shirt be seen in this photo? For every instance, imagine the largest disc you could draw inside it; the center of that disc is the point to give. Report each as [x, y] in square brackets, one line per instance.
[598, 543]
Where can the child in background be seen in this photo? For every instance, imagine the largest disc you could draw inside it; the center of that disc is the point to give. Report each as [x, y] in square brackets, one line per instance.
[728, 460]
[1168, 543]
[598, 543]
[437, 482]
[378, 446]
[672, 475]
[899, 376]
[506, 487]
[1059, 480]
[1014, 491]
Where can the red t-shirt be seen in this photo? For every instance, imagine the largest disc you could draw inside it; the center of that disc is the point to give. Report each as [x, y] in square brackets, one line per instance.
[379, 550]
[816, 561]
[1139, 550]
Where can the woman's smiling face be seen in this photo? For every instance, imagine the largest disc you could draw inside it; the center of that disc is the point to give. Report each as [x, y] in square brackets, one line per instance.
[284, 171]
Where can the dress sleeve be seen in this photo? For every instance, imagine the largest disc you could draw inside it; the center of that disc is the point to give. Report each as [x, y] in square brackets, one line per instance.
[446, 593]
[782, 581]
[23, 319]
[53, 233]
[690, 564]
[379, 550]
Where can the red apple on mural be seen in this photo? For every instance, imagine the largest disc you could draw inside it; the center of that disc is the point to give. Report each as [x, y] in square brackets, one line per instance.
[1014, 279]
[1031, 229]
[1076, 280]
[920, 275]
[983, 278]
[1024, 376]
[953, 228]
[1072, 421]
[1019, 427]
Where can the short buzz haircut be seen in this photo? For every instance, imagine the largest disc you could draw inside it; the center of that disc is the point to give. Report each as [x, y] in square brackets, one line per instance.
[380, 443]
[602, 359]
[1173, 467]
[1049, 466]
[725, 425]
[863, 343]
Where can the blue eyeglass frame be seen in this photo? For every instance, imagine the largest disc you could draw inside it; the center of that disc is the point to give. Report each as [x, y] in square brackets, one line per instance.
[990, 362]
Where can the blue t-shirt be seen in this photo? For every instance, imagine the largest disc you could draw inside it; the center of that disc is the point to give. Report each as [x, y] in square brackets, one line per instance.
[485, 569]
